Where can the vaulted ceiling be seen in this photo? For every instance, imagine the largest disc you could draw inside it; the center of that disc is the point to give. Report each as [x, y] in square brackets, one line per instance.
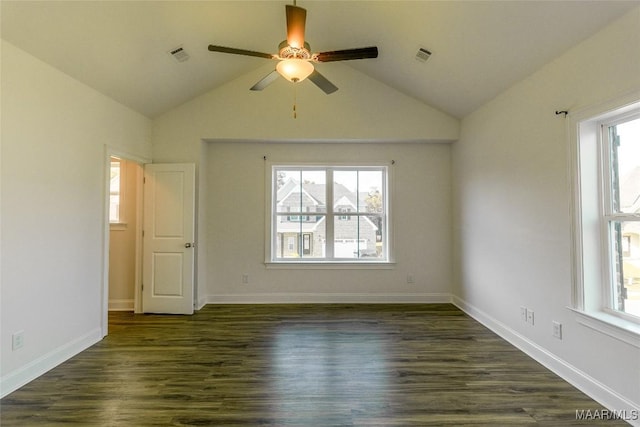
[478, 48]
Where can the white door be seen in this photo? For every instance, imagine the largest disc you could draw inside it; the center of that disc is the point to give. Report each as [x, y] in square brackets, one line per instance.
[168, 242]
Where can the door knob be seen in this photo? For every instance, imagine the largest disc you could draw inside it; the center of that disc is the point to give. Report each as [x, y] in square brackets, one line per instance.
[189, 245]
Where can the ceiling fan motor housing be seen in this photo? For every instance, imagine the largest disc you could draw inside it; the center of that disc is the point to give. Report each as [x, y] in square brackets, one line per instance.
[288, 52]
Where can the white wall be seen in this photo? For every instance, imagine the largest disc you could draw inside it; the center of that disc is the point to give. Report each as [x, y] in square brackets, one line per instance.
[54, 132]
[361, 110]
[236, 226]
[511, 210]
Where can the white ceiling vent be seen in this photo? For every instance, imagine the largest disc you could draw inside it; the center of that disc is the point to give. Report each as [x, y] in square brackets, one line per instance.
[179, 54]
[422, 55]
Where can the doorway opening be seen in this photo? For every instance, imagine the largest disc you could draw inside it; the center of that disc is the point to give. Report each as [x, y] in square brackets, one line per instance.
[122, 275]
[123, 232]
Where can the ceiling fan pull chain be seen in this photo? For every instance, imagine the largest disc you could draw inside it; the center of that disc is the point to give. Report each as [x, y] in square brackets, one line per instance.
[295, 115]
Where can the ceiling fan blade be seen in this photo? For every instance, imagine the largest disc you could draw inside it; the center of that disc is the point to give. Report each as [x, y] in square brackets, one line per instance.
[266, 80]
[296, 18]
[322, 82]
[347, 54]
[223, 49]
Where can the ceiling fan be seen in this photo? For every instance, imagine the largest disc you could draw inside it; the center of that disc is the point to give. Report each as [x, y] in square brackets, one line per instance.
[295, 57]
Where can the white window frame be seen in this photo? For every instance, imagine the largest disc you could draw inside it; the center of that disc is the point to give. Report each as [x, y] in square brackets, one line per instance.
[329, 262]
[121, 222]
[592, 294]
[609, 216]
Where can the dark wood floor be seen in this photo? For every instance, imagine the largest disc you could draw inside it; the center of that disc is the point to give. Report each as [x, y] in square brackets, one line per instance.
[299, 365]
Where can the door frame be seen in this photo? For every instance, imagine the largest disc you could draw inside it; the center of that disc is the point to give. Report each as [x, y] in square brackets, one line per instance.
[104, 303]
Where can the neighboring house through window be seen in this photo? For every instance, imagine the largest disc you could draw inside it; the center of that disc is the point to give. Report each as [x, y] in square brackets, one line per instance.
[324, 233]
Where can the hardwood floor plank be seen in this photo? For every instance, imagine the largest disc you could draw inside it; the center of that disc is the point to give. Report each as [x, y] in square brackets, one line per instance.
[299, 365]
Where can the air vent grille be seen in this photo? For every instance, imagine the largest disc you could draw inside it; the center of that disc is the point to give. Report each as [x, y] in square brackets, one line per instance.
[179, 54]
[423, 55]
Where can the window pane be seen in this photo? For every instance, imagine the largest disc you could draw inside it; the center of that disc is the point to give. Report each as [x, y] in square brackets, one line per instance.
[300, 236]
[345, 191]
[314, 186]
[288, 186]
[114, 190]
[114, 208]
[625, 158]
[371, 191]
[356, 236]
[345, 236]
[626, 262]
[371, 233]
[300, 190]
[358, 191]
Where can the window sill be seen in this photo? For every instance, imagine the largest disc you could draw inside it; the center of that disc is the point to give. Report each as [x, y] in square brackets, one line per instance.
[611, 325]
[363, 265]
[117, 226]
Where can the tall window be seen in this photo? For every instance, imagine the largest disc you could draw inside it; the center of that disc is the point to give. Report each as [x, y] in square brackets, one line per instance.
[324, 233]
[621, 212]
[115, 190]
[606, 155]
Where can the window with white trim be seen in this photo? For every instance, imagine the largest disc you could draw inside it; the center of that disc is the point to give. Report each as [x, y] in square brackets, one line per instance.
[116, 183]
[324, 233]
[607, 214]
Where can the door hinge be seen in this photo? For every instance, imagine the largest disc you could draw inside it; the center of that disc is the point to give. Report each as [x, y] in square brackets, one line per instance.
[142, 287]
[144, 180]
[142, 233]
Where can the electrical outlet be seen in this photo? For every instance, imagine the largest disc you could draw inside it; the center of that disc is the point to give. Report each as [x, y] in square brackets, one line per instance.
[245, 279]
[17, 340]
[410, 278]
[530, 317]
[557, 330]
[523, 314]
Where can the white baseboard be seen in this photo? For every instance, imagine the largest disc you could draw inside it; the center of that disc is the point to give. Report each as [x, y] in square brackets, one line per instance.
[32, 370]
[579, 379]
[121, 305]
[200, 303]
[326, 298]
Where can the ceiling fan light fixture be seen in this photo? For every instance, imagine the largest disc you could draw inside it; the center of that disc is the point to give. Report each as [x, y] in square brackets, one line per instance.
[295, 70]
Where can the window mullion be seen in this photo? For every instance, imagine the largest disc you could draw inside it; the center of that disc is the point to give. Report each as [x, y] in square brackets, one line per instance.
[329, 251]
[358, 217]
[298, 243]
[622, 217]
[275, 238]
